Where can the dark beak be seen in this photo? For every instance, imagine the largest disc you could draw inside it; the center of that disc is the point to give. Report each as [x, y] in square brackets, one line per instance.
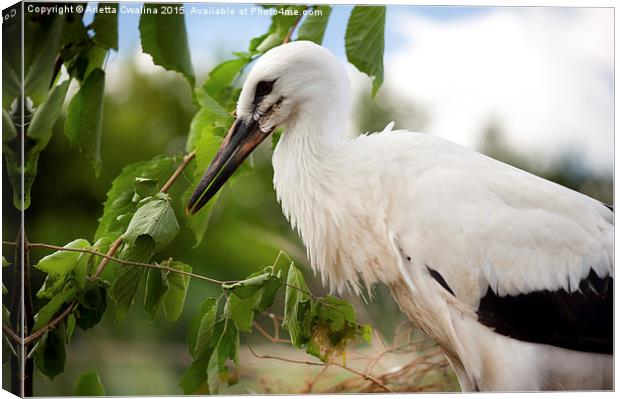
[242, 138]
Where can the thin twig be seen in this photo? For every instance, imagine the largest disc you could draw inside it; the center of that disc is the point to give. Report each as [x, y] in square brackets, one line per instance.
[288, 36]
[359, 373]
[49, 326]
[126, 262]
[265, 334]
[108, 257]
[186, 160]
[312, 382]
[7, 330]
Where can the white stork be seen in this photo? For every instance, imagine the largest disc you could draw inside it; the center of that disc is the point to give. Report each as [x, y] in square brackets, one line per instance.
[511, 274]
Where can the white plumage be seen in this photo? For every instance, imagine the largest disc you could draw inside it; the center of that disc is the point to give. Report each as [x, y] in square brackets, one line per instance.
[464, 242]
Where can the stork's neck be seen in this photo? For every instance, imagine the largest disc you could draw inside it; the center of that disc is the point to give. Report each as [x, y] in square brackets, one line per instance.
[306, 179]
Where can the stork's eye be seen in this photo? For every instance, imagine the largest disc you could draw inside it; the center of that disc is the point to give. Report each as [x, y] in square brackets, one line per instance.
[263, 88]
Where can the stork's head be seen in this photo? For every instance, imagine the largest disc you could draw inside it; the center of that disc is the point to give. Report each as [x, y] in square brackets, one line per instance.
[294, 79]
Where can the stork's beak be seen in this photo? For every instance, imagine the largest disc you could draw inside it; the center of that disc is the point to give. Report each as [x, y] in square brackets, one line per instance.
[242, 138]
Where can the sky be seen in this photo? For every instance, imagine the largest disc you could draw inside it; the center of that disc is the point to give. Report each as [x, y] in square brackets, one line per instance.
[544, 75]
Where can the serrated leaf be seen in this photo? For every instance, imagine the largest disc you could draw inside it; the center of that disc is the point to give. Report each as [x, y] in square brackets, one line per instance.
[174, 298]
[50, 355]
[44, 118]
[206, 148]
[296, 295]
[155, 219]
[47, 312]
[119, 197]
[84, 116]
[314, 25]
[62, 262]
[156, 287]
[164, 37]
[201, 327]
[89, 384]
[105, 26]
[365, 42]
[125, 286]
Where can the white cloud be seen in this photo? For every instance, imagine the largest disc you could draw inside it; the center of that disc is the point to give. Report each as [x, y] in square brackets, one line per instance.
[544, 74]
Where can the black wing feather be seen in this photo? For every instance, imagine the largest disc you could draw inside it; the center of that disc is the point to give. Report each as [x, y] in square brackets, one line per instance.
[581, 320]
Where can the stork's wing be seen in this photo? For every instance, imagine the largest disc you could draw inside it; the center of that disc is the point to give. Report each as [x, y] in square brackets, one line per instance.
[580, 320]
[534, 258]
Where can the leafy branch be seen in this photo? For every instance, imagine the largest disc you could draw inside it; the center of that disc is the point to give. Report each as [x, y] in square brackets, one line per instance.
[139, 219]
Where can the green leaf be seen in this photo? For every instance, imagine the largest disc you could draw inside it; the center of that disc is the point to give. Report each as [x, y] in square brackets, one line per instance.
[219, 369]
[88, 317]
[201, 327]
[89, 384]
[156, 219]
[50, 355]
[144, 187]
[125, 286]
[105, 26]
[223, 75]
[242, 310]
[156, 287]
[165, 39]
[45, 116]
[124, 290]
[296, 295]
[365, 42]
[80, 271]
[177, 289]
[61, 263]
[206, 148]
[336, 311]
[83, 124]
[69, 328]
[52, 286]
[119, 206]
[313, 27]
[45, 42]
[47, 312]
[220, 115]
[195, 376]
[366, 333]
[40, 131]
